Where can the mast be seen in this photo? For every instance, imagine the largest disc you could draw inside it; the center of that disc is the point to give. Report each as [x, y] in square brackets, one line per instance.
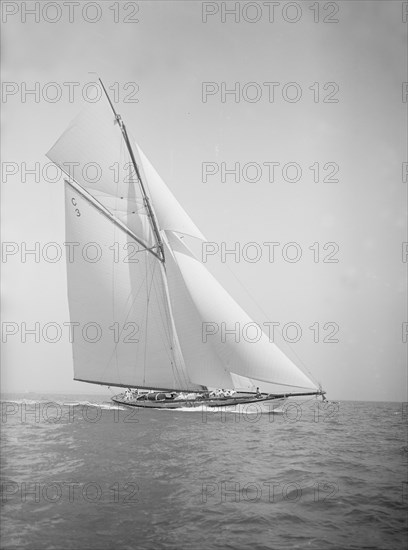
[146, 199]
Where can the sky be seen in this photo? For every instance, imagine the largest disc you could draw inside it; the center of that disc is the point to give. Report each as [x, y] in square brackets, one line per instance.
[337, 105]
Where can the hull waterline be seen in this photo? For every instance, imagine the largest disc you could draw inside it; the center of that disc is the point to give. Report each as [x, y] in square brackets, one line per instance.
[245, 405]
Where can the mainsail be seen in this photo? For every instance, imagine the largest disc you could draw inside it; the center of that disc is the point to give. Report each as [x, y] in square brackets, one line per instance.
[138, 296]
[121, 329]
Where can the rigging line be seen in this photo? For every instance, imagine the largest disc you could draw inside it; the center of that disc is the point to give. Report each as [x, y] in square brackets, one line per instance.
[266, 317]
[180, 367]
[164, 336]
[169, 335]
[150, 274]
[115, 348]
[146, 322]
[164, 321]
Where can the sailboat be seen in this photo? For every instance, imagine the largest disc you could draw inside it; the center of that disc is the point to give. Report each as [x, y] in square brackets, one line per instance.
[138, 295]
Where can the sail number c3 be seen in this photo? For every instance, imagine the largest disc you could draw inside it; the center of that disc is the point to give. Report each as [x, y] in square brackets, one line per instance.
[74, 202]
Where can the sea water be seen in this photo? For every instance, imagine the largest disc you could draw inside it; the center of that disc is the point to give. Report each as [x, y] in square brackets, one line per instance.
[79, 472]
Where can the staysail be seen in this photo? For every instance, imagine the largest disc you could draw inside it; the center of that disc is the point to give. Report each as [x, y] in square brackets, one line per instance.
[139, 315]
[258, 360]
[201, 357]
